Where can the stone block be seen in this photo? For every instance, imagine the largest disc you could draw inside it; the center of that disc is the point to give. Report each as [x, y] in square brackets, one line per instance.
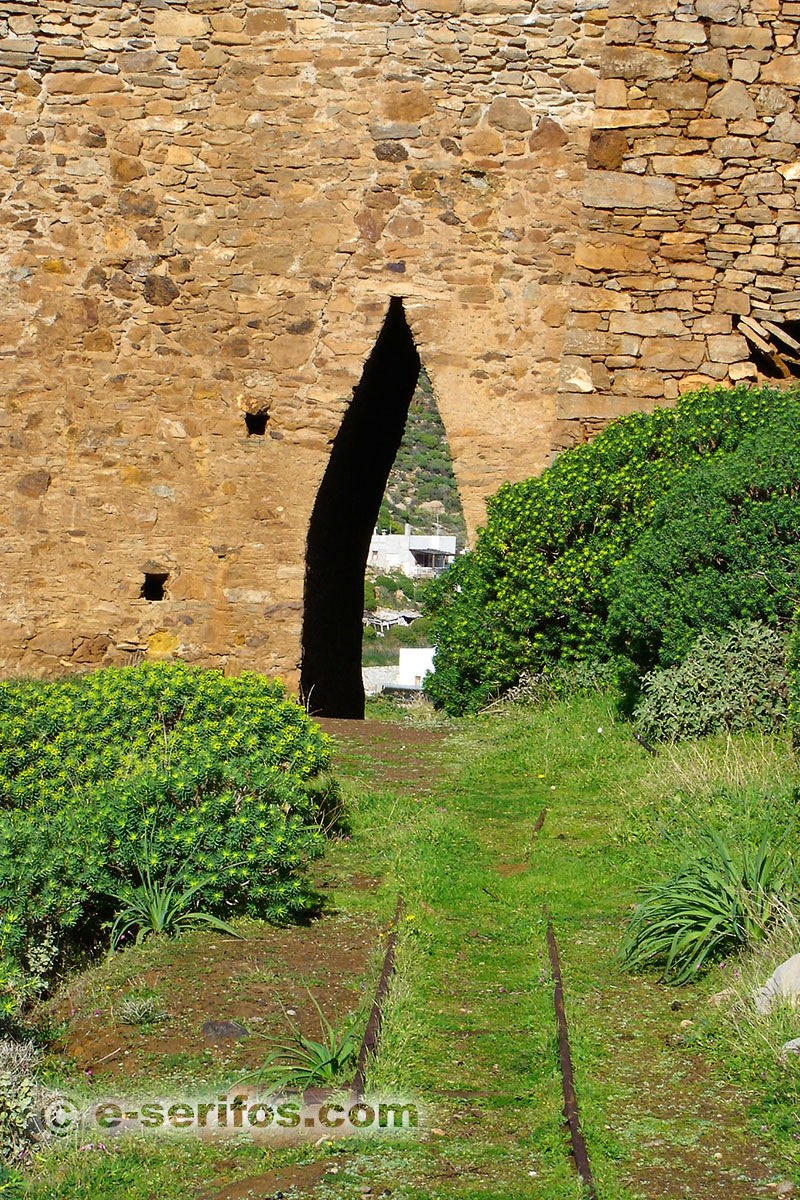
[628, 118]
[173, 23]
[681, 33]
[733, 100]
[612, 254]
[652, 324]
[640, 62]
[692, 166]
[728, 348]
[672, 354]
[636, 382]
[614, 189]
[782, 69]
[509, 114]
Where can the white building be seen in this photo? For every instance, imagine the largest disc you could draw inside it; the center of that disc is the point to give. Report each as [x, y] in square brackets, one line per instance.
[419, 556]
[415, 664]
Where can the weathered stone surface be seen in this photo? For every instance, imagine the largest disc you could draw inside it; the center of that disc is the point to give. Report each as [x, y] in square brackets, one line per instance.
[509, 114]
[660, 324]
[548, 135]
[733, 100]
[606, 149]
[727, 349]
[34, 484]
[195, 229]
[613, 189]
[158, 289]
[782, 985]
[784, 69]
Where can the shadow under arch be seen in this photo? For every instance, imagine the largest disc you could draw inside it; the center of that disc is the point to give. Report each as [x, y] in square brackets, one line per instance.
[343, 519]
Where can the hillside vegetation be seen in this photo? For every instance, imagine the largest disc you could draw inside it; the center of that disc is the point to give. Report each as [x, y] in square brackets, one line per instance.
[422, 489]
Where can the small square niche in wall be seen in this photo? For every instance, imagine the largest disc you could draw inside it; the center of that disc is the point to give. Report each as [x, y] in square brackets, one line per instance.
[153, 586]
[256, 424]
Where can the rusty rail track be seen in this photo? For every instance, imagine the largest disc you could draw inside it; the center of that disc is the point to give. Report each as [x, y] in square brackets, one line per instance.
[373, 1031]
[567, 1079]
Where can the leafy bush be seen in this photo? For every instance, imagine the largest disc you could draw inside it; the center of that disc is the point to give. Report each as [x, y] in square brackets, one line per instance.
[416, 634]
[721, 899]
[793, 666]
[535, 588]
[731, 682]
[220, 779]
[370, 596]
[724, 545]
[20, 1099]
[558, 683]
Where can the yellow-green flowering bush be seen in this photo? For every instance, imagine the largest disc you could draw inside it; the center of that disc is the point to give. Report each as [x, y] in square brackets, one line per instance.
[535, 590]
[723, 546]
[221, 778]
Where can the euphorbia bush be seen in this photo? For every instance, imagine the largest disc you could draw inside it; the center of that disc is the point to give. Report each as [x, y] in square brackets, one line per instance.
[724, 545]
[220, 778]
[536, 587]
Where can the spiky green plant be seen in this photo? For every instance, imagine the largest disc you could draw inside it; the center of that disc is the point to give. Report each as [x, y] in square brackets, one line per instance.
[303, 1062]
[159, 904]
[719, 900]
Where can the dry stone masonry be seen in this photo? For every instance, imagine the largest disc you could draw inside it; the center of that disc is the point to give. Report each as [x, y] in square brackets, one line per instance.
[690, 252]
[207, 206]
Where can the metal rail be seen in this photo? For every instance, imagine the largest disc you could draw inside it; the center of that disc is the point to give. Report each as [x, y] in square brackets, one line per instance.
[373, 1030]
[567, 1080]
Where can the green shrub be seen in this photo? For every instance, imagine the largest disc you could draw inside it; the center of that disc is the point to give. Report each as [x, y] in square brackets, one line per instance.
[388, 583]
[370, 596]
[724, 545]
[735, 681]
[416, 634]
[560, 682]
[793, 667]
[221, 779]
[535, 588]
[406, 586]
[721, 899]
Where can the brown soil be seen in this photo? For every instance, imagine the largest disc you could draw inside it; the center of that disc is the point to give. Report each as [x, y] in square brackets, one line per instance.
[507, 869]
[303, 1179]
[387, 753]
[684, 1131]
[208, 977]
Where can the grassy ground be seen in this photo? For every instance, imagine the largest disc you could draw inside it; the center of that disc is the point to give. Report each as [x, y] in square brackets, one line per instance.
[445, 816]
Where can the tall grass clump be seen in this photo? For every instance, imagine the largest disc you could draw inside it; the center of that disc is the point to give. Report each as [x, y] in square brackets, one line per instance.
[722, 899]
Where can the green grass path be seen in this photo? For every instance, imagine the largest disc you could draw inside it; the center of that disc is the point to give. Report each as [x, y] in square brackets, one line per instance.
[448, 822]
[473, 1012]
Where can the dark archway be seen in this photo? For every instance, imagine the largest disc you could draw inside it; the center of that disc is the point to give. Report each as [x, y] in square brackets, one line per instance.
[344, 517]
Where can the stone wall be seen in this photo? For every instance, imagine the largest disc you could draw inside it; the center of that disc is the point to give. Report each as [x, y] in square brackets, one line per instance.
[208, 204]
[691, 232]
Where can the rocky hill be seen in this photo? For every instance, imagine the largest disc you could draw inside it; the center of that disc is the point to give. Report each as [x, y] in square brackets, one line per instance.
[422, 489]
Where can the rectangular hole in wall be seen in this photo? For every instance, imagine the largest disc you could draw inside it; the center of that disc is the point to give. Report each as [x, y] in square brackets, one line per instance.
[153, 586]
[256, 424]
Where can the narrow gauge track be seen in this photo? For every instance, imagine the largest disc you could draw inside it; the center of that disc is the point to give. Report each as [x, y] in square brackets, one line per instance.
[373, 1031]
[372, 1035]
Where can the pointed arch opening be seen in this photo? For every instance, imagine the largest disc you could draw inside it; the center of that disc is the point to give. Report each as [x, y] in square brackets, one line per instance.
[343, 519]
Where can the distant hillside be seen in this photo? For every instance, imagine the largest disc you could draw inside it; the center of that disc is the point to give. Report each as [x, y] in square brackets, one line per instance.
[421, 489]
